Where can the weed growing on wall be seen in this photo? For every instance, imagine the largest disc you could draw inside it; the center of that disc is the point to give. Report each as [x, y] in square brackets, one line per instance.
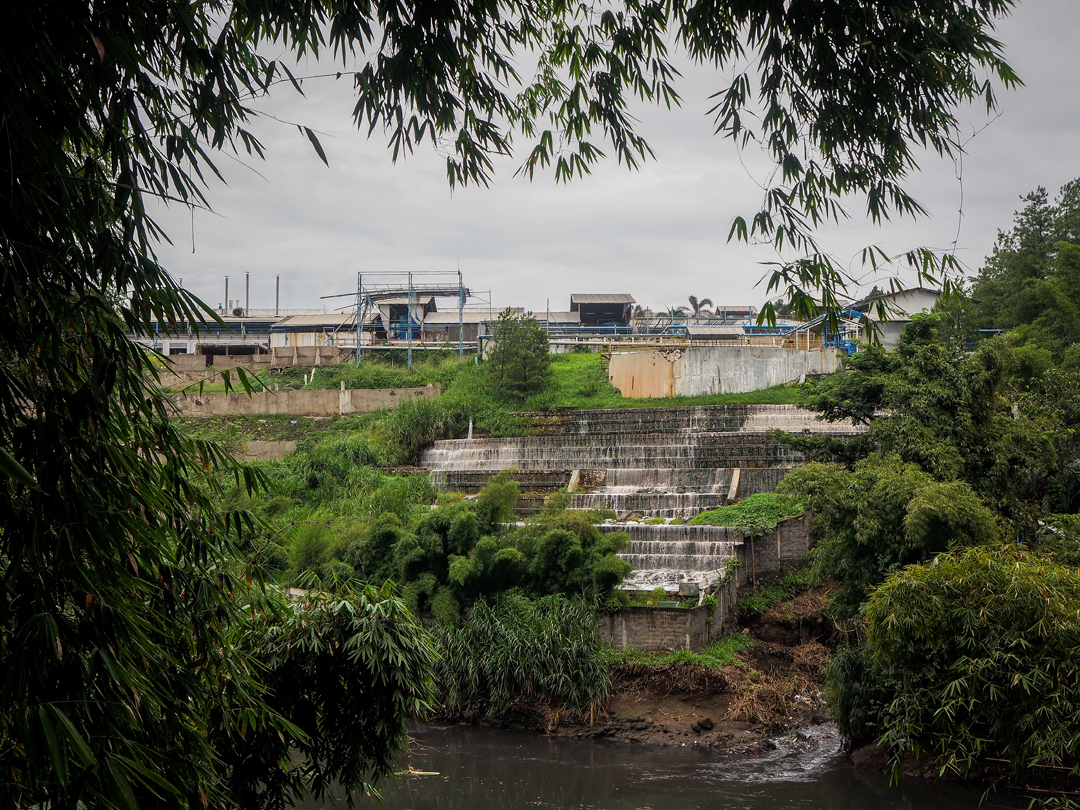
[755, 515]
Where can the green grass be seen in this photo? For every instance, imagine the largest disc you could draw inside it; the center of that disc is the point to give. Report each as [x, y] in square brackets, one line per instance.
[765, 599]
[235, 431]
[577, 382]
[716, 656]
[758, 513]
[390, 371]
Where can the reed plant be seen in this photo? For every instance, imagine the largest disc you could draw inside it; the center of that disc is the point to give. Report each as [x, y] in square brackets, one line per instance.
[512, 649]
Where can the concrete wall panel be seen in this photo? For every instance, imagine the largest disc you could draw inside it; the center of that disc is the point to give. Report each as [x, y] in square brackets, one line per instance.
[715, 369]
[299, 403]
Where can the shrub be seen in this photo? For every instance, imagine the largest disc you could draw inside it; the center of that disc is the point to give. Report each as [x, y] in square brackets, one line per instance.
[512, 648]
[881, 515]
[496, 501]
[978, 649]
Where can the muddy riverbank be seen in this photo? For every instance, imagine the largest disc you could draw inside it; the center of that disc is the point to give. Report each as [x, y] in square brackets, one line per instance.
[773, 688]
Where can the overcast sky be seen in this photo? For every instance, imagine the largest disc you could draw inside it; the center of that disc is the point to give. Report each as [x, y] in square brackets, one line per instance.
[659, 233]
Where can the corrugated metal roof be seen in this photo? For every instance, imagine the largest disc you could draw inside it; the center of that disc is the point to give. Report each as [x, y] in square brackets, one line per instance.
[404, 300]
[601, 298]
[333, 319]
[715, 331]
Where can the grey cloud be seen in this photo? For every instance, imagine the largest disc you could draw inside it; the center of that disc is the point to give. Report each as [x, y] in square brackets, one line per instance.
[659, 233]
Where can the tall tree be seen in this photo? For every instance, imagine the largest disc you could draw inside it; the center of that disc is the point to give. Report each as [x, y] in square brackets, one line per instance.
[519, 362]
[116, 570]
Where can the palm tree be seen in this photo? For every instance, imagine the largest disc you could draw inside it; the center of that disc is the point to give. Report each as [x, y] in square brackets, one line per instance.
[697, 306]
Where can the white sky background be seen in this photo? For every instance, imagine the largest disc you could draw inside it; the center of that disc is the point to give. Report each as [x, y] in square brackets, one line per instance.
[659, 233]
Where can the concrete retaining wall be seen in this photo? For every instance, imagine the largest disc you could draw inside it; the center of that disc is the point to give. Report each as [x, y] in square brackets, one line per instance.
[774, 552]
[756, 480]
[300, 403]
[715, 369]
[296, 356]
[653, 628]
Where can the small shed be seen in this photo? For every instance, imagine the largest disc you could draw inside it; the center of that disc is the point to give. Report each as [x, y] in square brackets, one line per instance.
[734, 334]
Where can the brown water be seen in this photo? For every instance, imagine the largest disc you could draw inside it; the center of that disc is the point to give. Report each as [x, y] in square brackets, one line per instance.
[484, 769]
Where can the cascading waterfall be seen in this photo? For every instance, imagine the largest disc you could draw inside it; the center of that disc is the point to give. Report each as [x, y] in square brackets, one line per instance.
[645, 463]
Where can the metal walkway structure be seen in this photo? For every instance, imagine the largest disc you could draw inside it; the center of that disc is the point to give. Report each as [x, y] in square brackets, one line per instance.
[377, 287]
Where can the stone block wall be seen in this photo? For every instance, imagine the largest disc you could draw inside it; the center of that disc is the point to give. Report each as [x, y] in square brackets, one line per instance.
[776, 551]
[757, 480]
[660, 629]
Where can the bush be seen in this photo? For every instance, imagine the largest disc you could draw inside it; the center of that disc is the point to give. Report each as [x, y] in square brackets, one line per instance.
[979, 651]
[415, 423]
[881, 515]
[514, 648]
[856, 694]
[496, 501]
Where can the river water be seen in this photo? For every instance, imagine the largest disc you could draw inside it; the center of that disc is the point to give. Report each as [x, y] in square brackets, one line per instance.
[467, 768]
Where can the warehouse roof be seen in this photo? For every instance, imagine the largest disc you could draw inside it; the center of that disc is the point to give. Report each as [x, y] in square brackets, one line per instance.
[599, 298]
[715, 331]
[330, 320]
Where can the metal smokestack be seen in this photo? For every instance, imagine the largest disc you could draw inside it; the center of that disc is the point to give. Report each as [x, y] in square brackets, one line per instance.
[247, 292]
[226, 294]
[277, 295]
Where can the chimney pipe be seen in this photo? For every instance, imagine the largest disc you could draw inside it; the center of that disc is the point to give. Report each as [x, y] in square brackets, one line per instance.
[247, 292]
[226, 293]
[277, 295]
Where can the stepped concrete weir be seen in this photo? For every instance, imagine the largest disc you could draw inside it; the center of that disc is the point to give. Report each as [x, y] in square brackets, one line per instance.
[642, 463]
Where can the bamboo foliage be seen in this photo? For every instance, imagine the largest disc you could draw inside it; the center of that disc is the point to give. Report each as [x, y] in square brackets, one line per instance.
[982, 646]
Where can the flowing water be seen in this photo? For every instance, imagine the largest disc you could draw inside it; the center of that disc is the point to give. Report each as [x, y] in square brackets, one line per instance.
[643, 463]
[466, 768]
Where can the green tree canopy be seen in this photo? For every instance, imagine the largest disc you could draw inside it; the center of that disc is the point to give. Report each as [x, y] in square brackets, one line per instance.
[1011, 288]
[519, 361]
[984, 643]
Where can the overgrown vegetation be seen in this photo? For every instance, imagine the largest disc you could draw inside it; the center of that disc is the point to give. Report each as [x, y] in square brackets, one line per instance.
[757, 601]
[952, 525]
[755, 515]
[511, 649]
[717, 655]
[120, 573]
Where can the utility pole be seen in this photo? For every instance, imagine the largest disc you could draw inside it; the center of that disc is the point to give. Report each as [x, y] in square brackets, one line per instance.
[408, 319]
[460, 316]
[360, 313]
